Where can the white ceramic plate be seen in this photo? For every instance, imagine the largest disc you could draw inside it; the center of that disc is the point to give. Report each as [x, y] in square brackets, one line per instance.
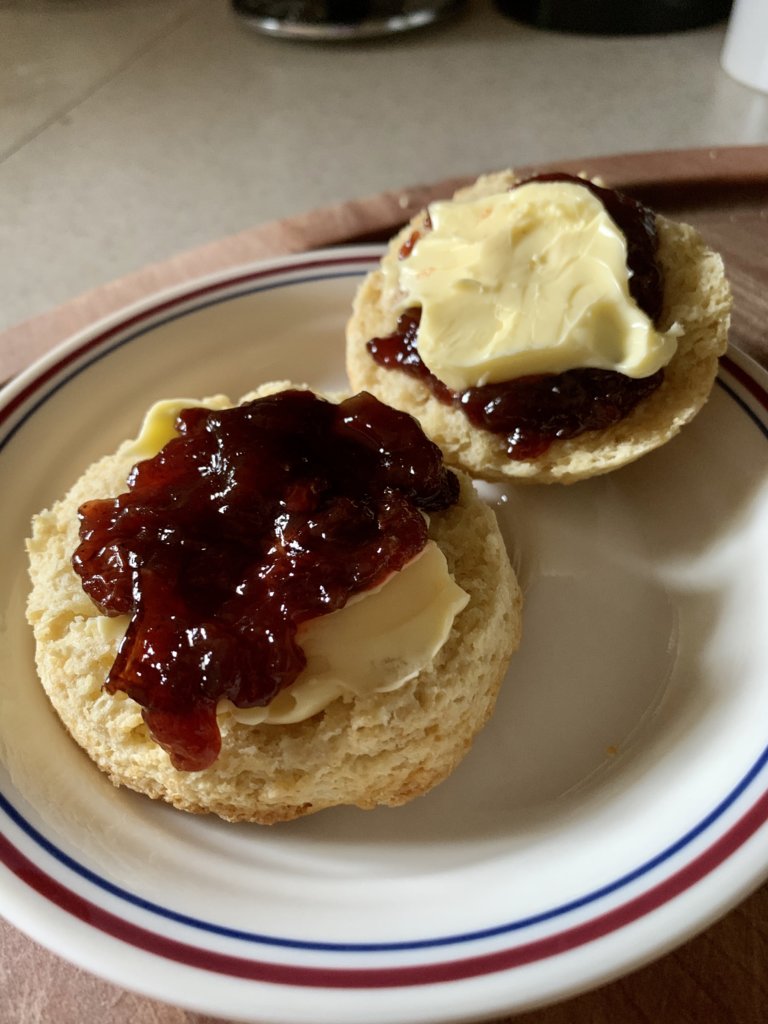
[616, 803]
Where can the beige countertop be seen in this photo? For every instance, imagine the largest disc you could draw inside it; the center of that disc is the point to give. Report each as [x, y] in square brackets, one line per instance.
[134, 129]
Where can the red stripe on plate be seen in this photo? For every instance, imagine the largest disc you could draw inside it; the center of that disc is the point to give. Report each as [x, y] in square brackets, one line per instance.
[741, 376]
[388, 977]
[162, 307]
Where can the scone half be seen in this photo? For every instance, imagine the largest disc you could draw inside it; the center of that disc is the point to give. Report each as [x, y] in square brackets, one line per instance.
[385, 748]
[696, 297]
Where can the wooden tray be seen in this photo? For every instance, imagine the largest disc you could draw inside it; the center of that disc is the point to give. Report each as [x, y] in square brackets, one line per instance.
[721, 977]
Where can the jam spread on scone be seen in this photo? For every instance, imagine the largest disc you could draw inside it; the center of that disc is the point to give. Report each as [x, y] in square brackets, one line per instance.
[250, 522]
[533, 409]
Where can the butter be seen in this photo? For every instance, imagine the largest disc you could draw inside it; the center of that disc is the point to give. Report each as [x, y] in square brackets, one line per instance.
[533, 280]
[374, 644]
[159, 426]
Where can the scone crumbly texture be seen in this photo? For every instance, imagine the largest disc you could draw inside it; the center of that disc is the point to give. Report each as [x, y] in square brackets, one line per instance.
[696, 296]
[382, 749]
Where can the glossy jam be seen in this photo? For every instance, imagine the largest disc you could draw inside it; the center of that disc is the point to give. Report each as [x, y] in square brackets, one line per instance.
[250, 522]
[534, 411]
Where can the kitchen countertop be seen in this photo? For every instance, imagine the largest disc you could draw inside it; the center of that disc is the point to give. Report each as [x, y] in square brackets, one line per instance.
[132, 130]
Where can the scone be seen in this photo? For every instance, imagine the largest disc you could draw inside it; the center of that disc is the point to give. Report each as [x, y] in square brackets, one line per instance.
[633, 391]
[421, 688]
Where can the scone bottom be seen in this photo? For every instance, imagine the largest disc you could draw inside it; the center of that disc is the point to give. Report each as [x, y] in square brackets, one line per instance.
[334, 525]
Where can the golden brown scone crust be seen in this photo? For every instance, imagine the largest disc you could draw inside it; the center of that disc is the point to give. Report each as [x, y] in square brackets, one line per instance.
[383, 749]
[697, 296]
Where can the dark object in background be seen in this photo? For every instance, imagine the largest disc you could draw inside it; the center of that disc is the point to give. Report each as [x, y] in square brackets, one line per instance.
[341, 19]
[616, 17]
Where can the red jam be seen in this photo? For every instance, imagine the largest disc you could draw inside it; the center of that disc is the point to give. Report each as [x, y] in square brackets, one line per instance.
[536, 410]
[250, 522]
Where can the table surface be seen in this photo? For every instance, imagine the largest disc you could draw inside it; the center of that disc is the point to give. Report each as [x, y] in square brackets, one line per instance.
[131, 130]
[137, 133]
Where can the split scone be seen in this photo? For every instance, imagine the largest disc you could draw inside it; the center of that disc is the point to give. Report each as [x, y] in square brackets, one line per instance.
[543, 331]
[292, 605]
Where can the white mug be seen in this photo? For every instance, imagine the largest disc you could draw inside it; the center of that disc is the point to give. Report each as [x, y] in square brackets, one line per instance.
[745, 51]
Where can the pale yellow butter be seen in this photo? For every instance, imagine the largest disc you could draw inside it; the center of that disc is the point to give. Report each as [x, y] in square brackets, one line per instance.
[532, 280]
[377, 642]
[159, 425]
